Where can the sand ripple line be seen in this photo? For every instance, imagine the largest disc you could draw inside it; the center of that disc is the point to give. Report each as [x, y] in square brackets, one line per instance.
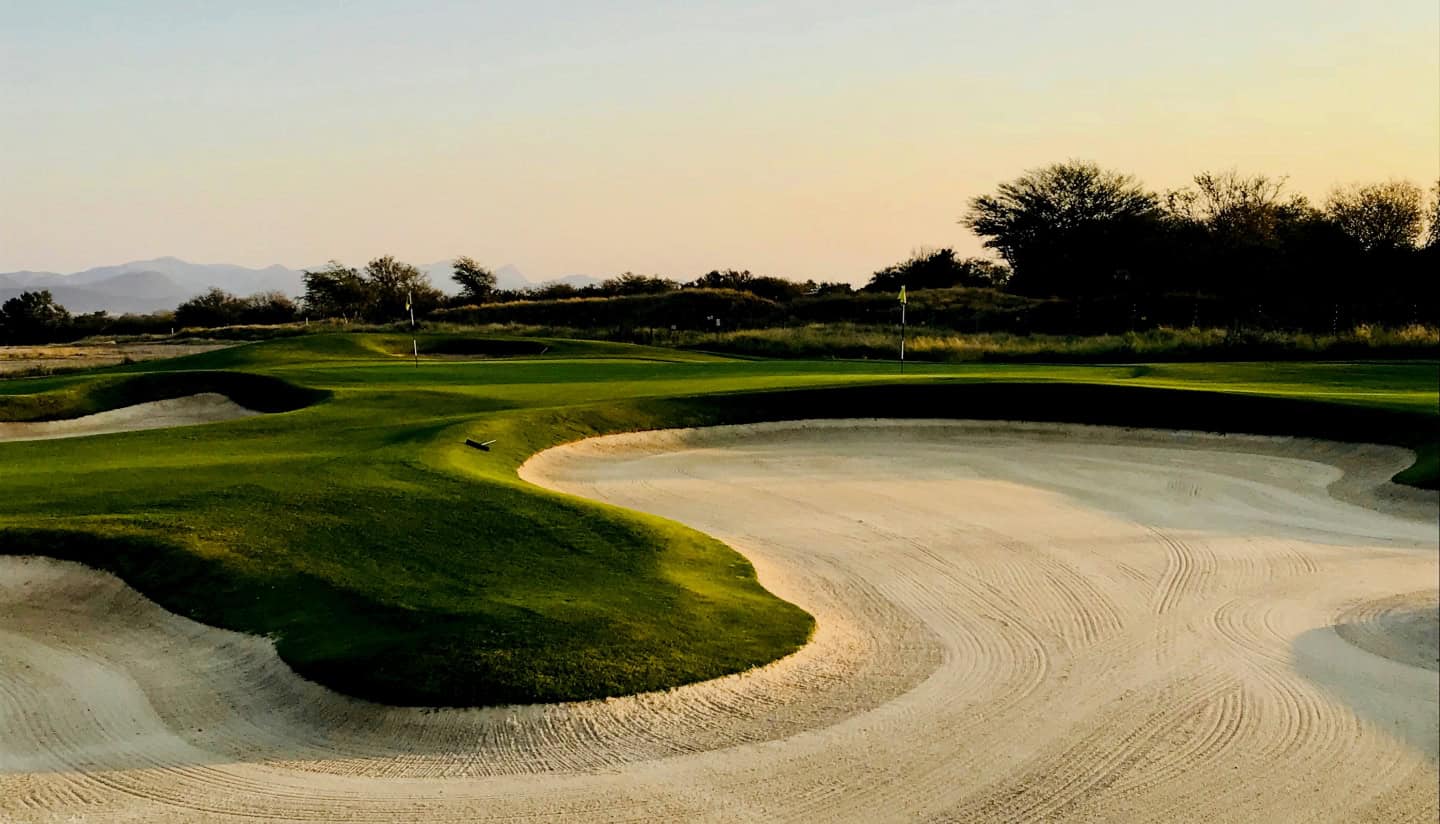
[1015, 623]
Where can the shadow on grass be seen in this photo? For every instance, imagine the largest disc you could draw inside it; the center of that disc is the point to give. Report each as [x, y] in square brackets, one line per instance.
[261, 393]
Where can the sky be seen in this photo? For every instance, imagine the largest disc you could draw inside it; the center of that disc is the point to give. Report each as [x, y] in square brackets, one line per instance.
[806, 138]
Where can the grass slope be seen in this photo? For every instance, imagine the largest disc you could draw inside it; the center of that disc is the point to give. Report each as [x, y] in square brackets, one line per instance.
[389, 561]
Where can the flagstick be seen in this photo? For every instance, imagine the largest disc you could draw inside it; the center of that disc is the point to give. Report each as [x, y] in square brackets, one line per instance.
[902, 330]
[414, 342]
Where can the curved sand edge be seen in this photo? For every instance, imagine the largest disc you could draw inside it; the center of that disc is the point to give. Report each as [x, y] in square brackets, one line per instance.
[206, 407]
[1011, 627]
[1363, 479]
[1403, 628]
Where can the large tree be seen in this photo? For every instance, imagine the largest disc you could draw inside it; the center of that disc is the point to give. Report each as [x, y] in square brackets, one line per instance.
[477, 284]
[215, 307]
[336, 291]
[1379, 217]
[393, 285]
[1234, 234]
[1068, 229]
[267, 308]
[32, 317]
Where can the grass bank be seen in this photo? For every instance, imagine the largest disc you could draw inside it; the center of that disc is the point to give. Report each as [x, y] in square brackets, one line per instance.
[389, 561]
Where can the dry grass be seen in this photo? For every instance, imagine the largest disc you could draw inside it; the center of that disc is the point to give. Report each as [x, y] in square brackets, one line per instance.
[882, 342]
[49, 359]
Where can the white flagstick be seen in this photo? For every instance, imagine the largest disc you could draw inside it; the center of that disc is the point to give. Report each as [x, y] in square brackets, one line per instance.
[902, 330]
[416, 344]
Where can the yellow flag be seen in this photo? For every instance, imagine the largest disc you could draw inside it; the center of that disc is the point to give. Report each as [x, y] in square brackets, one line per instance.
[902, 294]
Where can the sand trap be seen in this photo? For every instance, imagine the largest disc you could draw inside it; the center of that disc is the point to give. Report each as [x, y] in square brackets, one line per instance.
[207, 407]
[1016, 623]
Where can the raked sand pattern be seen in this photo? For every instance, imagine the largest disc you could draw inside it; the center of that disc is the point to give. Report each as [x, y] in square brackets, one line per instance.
[1015, 623]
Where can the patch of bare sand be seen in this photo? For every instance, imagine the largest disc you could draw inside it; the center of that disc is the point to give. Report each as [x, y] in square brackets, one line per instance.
[64, 357]
[206, 407]
[1016, 623]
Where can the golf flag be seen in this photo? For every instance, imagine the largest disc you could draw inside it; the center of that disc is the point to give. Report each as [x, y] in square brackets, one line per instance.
[902, 328]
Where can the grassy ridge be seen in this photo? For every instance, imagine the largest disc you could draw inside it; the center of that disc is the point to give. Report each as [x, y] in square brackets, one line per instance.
[391, 562]
[74, 397]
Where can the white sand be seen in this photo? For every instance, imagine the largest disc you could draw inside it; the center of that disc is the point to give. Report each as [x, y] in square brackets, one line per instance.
[206, 407]
[1016, 623]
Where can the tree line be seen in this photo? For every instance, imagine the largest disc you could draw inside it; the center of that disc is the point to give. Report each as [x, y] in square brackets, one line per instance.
[1071, 231]
[1074, 229]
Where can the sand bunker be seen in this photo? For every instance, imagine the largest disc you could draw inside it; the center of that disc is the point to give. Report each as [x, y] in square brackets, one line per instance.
[1016, 623]
[207, 407]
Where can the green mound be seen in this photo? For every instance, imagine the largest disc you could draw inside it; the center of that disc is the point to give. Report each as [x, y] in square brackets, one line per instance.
[78, 397]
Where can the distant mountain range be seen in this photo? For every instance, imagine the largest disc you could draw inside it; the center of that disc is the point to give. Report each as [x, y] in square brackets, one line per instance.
[164, 283]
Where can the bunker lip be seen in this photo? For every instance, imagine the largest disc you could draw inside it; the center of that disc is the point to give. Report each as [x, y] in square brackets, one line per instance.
[1014, 623]
[1365, 477]
[205, 407]
[109, 393]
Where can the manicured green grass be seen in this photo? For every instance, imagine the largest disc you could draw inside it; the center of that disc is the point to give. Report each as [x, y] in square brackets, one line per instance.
[391, 562]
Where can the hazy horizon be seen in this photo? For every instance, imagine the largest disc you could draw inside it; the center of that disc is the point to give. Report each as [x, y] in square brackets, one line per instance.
[804, 139]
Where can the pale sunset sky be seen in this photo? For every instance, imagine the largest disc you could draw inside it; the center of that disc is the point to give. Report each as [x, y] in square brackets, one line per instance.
[810, 138]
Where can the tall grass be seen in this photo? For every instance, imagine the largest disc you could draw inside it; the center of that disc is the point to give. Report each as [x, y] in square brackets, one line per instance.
[843, 340]
[928, 343]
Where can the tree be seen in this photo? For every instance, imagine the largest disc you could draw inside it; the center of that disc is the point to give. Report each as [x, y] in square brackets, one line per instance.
[32, 317]
[393, 284]
[336, 291]
[1432, 231]
[1379, 217]
[1246, 209]
[477, 284]
[1068, 229]
[765, 286]
[826, 288]
[215, 307]
[630, 283]
[1236, 235]
[558, 290]
[267, 308]
[723, 279]
[938, 269]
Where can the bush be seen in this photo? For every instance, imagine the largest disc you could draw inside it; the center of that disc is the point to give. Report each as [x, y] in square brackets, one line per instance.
[684, 309]
[220, 308]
